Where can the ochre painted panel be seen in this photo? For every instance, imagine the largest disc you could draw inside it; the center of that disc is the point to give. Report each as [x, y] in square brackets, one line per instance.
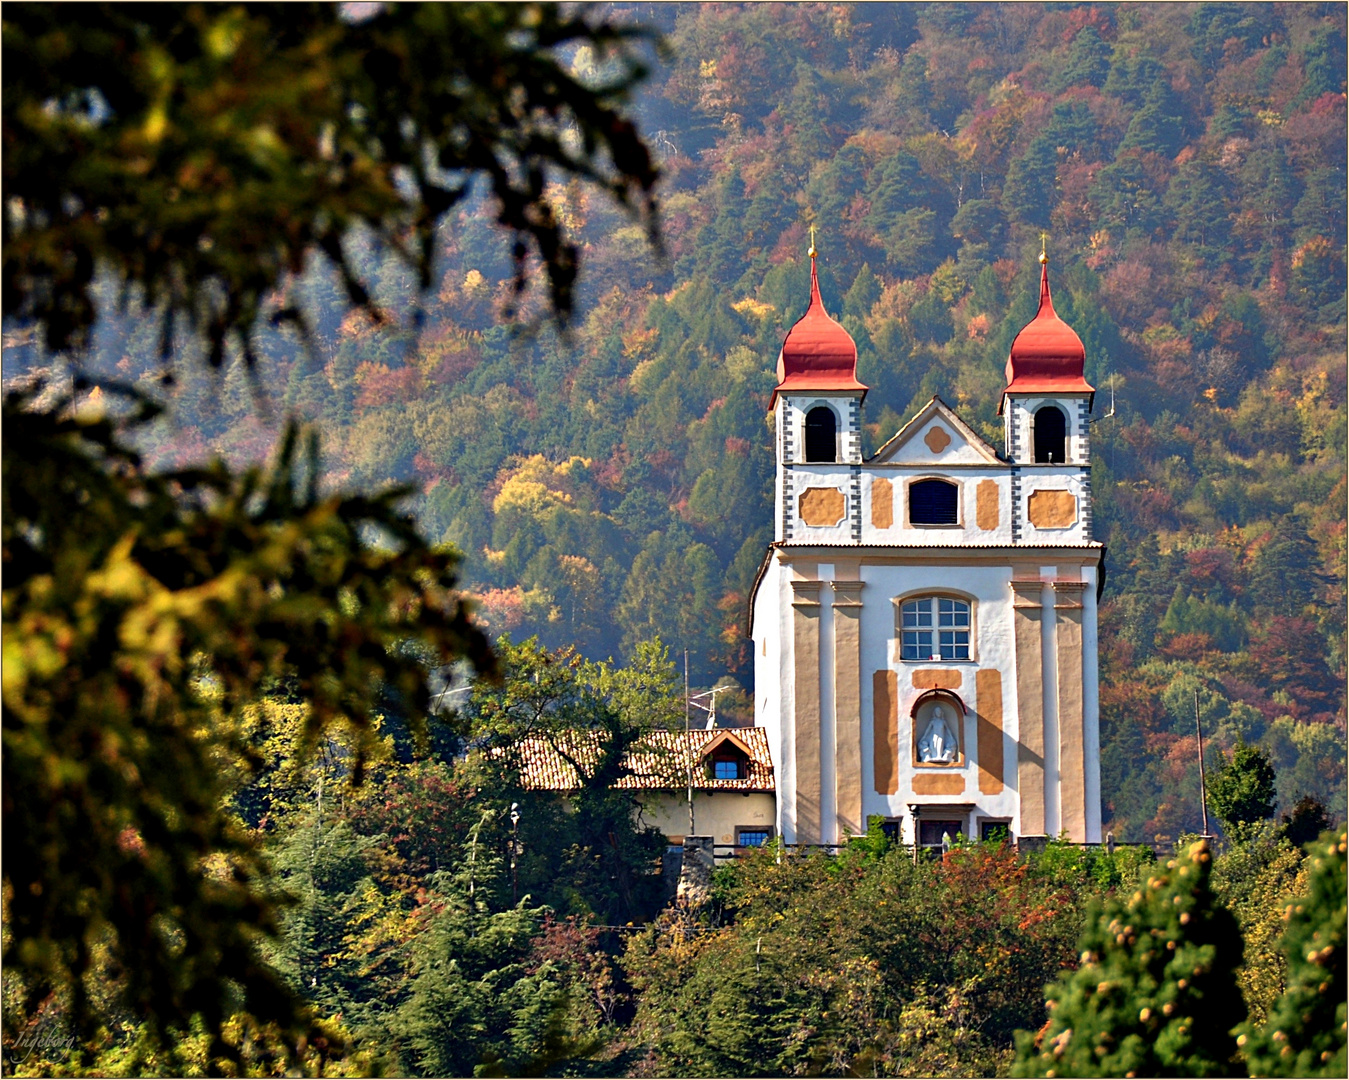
[937, 439]
[882, 504]
[939, 784]
[936, 679]
[821, 507]
[1049, 508]
[986, 504]
[885, 731]
[988, 696]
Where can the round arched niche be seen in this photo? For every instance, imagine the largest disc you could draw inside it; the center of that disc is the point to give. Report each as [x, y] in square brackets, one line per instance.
[938, 730]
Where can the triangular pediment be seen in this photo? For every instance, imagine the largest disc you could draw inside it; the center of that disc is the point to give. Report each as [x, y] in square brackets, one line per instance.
[721, 741]
[936, 436]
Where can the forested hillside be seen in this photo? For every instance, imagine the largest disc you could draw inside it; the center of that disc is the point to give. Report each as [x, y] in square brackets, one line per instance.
[614, 483]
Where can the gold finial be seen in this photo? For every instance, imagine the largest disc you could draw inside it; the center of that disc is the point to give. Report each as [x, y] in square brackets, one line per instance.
[812, 242]
[1043, 257]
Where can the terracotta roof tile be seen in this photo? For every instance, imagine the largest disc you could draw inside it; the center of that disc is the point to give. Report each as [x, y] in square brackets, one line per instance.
[662, 765]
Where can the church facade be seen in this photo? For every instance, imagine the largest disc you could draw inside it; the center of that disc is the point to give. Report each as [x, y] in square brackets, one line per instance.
[924, 622]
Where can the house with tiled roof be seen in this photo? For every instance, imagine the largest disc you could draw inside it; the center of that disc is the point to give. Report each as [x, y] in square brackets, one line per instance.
[717, 782]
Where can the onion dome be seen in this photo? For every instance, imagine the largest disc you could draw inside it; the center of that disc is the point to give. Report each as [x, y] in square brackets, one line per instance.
[818, 355]
[1047, 357]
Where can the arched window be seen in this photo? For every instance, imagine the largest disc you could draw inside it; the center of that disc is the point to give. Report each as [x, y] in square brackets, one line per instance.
[821, 429]
[933, 502]
[1051, 435]
[934, 628]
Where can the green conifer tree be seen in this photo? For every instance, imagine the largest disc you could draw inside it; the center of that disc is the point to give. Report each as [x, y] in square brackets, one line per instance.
[1028, 195]
[1158, 126]
[1241, 791]
[1156, 993]
[1305, 1033]
[1087, 61]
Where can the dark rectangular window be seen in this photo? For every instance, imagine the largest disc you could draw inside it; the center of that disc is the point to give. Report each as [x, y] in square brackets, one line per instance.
[930, 832]
[753, 836]
[932, 502]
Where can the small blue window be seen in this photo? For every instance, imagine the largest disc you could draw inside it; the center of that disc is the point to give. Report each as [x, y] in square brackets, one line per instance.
[753, 837]
[934, 628]
[727, 769]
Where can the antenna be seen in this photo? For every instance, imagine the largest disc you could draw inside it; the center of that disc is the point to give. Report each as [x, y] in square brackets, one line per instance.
[1199, 735]
[688, 753]
[711, 708]
[1111, 413]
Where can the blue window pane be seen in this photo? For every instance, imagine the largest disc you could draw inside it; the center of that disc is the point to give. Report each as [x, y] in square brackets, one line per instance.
[917, 644]
[955, 645]
[752, 837]
[726, 770]
[952, 612]
[917, 613]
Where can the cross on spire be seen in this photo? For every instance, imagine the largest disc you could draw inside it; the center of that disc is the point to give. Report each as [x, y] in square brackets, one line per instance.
[1044, 258]
[812, 241]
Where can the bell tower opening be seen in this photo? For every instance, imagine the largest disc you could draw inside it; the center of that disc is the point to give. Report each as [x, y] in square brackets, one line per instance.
[1051, 436]
[821, 434]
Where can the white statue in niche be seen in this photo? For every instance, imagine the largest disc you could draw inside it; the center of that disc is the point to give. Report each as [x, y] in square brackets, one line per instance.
[938, 745]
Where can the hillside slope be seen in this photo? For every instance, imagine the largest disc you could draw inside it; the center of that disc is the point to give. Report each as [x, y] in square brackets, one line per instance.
[1188, 164]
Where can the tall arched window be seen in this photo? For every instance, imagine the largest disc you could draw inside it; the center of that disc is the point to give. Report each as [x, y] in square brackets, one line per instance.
[1051, 435]
[821, 432]
[933, 502]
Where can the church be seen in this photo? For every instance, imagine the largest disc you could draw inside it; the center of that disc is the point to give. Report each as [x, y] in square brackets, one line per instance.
[924, 621]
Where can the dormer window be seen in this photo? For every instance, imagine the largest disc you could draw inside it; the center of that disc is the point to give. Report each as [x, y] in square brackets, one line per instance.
[726, 757]
[821, 434]
[1051, 436]
[933, 502]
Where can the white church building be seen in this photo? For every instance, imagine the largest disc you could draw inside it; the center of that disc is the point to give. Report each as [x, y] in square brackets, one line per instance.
[924, 622]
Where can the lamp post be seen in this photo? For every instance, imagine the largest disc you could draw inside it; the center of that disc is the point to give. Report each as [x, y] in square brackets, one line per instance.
[515, 832]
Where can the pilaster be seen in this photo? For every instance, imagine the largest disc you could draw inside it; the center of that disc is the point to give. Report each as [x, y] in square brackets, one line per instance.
[848, 706]
[806, 679]
[1027, 615]
[1072, 735]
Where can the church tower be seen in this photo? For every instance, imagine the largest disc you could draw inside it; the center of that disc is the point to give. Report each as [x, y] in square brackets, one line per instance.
[1045, 407]
[817, 407]
[924, 621]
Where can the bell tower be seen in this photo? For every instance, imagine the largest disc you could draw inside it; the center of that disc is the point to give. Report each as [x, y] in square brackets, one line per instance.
[1046, 406]
[817, 408]
[1047, 400]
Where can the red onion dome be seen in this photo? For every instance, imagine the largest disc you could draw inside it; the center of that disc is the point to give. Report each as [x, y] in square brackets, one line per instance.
[818, 355]
[1047, 357]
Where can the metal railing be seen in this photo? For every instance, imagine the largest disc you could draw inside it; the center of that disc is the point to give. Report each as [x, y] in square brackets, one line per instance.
[725, 852]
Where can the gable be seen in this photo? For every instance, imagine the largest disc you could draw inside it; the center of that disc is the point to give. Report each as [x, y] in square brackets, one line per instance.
[936, 437]
[726, 742]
